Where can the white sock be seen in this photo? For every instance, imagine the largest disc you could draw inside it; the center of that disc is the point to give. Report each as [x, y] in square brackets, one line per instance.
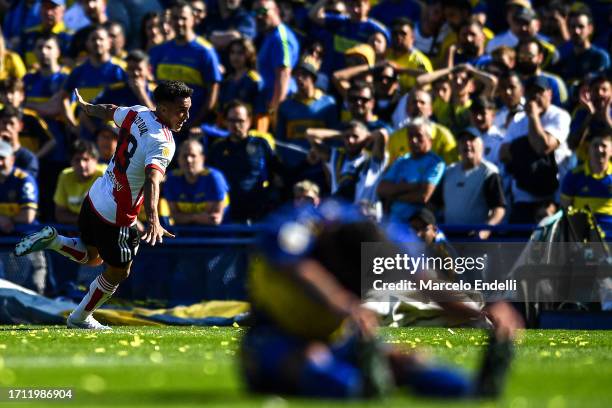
[99, 292]
[73, 248]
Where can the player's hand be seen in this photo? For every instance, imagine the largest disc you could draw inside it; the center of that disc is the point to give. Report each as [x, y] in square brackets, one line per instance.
[585, 99]
[365, 320]
[505, 319]
[533, 109]
[155, 233]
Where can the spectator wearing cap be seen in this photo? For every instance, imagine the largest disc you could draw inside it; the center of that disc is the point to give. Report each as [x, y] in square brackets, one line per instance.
[593, 116]
[11, 124]
[356, 168]
[309, 107]
[191, 59]
[229, 22]
[511, 94]
[279, 51]
[417, 104]
[580, 57]
[106, 142]
[408, 184]
[482, 115]
[74, 182]
[360, 66]
[471, 190]
[408, 59]
[306, 192]
[524, 24]
[530, 57]
[52, 14]
[137, 89]
[590, 184]
[347, 31]
[18, 205]
[454, 112]
[535, 152]
[196, 194]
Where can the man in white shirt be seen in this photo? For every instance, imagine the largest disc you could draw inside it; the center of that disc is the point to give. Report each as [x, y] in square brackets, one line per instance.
[536, 154]
[482, 114]
[510, 91]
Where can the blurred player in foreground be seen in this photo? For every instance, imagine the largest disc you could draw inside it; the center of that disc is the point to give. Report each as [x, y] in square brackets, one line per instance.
[312, 337]
[107, 221]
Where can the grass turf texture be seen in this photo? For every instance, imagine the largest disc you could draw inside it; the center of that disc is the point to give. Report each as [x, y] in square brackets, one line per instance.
[177, 366]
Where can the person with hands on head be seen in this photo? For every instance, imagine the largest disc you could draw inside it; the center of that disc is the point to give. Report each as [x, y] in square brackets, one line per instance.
[107, 221]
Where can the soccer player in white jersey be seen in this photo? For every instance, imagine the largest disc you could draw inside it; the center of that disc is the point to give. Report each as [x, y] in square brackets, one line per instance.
[107, 221]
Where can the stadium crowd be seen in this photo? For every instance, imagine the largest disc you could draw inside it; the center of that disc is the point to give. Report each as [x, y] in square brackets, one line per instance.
[485, 113]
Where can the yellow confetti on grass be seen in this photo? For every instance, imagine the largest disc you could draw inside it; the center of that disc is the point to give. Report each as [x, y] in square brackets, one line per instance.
[449, 344]
[235, 324]
[137, 342]
[224, 343]
[122, 353]
[100, 350]
[124, 342]
[2, 346]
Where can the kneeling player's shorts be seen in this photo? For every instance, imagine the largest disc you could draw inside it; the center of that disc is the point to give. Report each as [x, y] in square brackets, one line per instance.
[116, 245]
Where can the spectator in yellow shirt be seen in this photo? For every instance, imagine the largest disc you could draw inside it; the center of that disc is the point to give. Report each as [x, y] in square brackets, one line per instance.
[75, 181]
[11, 64]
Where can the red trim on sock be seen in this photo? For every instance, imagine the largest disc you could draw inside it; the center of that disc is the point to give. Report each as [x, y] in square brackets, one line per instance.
[76, 254]
[95, 298]
[103, 283]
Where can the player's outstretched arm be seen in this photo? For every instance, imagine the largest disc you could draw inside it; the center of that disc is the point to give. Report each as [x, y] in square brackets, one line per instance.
[102, 111]
[154, 232]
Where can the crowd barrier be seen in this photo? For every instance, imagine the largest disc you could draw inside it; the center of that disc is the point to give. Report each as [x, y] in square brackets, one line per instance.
[201, 263]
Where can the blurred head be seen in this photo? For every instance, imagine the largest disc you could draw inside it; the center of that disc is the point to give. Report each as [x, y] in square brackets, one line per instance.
[580, 26]
[151, 29]
[386, 81]
[471, 39]
[524, 23]
[267, 14]
[537, 89]
[470, 146]
[510, 89]
[378, 41]
[237, 119]
[173, 100]
[529, 57]
[482, 113]
[432, 13]
[7, 158]
[361, 101]
[106, 141]
[355, 137]
[138, 65]
[550, 26]
[167, 26]
[305, 79]
[456, 13]
[423, 222]
[52, 12]
[117, 37]
[462, 82]
[182, 20]
[358, 10]
[600, 90]
[47, 50]
[306, 192]
[11, 123]
[419, 136]
[242, 54]
[94, 8]
[600, 152]
[12, 92]
[505, 57]
[232, 4]
[336, 7]
[419, 104]
[84, 159]
[402, 35]
[199, 11]
[191, 157]
[98, 42]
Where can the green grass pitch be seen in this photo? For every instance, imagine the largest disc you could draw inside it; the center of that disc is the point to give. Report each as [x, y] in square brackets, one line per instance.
[185, 366]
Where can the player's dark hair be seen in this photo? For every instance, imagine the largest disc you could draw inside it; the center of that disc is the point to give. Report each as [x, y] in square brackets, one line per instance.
[401, 22]
[236, 103]
[169, 91]
[9, 111]
[137, 56]
[82, 146]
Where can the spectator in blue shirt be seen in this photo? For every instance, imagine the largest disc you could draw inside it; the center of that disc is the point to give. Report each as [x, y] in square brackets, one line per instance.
[279, 51]
[196, 194]
[348, 31]
[190, 59]
[411, 180]
[230, 23]
[580, 57]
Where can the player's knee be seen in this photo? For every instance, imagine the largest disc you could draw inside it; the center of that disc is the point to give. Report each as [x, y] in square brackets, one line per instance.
[116, 275]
